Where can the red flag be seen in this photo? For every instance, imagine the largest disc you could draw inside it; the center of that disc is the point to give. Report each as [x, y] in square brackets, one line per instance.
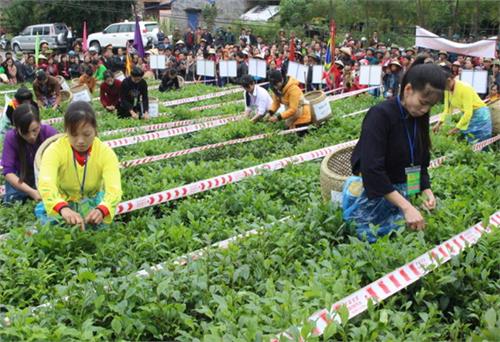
[291, 54]
[84, 42]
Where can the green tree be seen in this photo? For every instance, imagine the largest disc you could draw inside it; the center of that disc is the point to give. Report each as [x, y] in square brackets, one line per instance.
[209, 14]
[98, 14]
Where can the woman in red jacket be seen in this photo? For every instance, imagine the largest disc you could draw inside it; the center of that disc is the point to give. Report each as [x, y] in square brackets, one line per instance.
[110, 91]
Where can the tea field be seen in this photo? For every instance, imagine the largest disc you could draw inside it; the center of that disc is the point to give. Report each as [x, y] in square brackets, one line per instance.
[62, 284]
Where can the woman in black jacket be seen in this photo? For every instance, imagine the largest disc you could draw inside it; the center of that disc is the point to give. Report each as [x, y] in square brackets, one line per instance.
[134, 101]
[391, 158]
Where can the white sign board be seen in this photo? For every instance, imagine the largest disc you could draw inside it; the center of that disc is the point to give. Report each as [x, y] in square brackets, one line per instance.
[154, 108]
[370, 74]
[227, 69]
[257, 67]
[299, 71]
[205, 68]
[157, 62]
[317, 77]
[478, 79]
[82, 95]
[120, 76]
[322, 110]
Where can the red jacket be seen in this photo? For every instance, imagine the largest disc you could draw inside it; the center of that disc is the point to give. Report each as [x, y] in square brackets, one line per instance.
[110, 96]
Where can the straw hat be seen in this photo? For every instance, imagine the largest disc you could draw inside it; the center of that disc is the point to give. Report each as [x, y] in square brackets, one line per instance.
[339, 62]
[395, 62]
[346, 50]
[442, 52]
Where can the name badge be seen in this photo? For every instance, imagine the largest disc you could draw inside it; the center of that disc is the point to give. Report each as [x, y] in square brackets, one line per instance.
[412, 180]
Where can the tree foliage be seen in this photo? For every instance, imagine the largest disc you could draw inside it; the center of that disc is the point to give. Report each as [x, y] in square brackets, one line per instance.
[98, 14]
[446, 17]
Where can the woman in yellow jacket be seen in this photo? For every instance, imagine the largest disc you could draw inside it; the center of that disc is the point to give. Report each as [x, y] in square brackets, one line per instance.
[79, 176]
[287, 91]
[475, 123]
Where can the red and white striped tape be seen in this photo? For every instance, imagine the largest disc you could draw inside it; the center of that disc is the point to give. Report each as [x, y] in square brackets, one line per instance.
[222, 180]
[215, 105]
[201, 97]
[159, 126]
[171, 132]
[480, 145]
[168, 155]
[395, 281]
[350, 93]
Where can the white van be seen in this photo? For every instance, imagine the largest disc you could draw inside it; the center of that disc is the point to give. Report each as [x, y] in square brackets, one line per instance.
[119, 34]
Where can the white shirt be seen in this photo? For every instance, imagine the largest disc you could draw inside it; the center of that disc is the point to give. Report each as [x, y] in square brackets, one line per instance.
[259, 99]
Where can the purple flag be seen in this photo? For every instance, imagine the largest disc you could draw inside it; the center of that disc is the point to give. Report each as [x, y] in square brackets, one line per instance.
[139, 47]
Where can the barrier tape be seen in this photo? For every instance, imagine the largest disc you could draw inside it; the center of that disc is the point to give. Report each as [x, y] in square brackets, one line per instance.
[168, 155]
[222, 180]
[177, 102]
[160, 126]
[215, 105]
[171, 132]
[350, 93]
[396, 281]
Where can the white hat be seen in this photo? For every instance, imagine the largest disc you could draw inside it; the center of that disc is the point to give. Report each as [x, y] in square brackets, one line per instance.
[180, 41]
[40, 56]
[339, 62]
[92, 49]
[211, 51]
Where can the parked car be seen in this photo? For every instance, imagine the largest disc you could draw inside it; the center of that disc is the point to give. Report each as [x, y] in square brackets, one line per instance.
[118, 34]
[4, 42]
[53, 34]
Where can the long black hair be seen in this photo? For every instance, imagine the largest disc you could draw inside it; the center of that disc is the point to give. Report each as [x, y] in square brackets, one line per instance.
[430, 81]
[23, 116]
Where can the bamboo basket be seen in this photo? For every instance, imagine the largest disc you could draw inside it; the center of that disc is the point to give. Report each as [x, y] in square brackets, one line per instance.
[495, 116]
[66, 96]
[334, 171]
[181, 81]
[40, 152]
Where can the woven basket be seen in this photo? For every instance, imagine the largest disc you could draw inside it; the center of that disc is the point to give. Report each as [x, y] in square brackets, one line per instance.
[495, 116]
[40, 151]
[66, 96]
[335, 169]
[181, 81]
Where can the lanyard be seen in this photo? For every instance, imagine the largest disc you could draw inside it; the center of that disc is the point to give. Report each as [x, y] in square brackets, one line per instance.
[82, 183]
[411, 142]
